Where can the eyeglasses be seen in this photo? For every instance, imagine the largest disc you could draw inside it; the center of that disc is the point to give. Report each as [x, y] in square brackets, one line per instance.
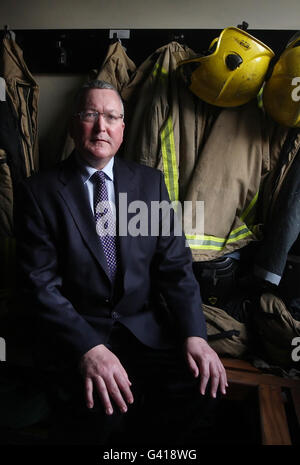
[93, 116]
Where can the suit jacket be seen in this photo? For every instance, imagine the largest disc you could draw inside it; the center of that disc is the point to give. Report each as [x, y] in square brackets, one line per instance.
[63, 276]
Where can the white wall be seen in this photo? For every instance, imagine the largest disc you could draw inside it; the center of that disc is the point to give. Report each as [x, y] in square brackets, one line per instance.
[94, 14]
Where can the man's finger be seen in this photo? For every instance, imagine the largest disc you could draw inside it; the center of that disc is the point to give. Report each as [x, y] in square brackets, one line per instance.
[104, 396]
[115, 393]
[192, 365]
[204, 373]
[127, 392]
[215, 380]
[223, 381]
[89, 393]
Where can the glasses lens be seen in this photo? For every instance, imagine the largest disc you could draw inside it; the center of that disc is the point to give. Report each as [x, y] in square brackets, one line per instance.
[92, 116]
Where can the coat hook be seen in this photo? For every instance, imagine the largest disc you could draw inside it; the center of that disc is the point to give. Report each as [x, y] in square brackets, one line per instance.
[243, 26]
[178, 38]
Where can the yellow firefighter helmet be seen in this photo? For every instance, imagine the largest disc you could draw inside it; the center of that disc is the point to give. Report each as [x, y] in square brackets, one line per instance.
[281, 94]
[233, 70]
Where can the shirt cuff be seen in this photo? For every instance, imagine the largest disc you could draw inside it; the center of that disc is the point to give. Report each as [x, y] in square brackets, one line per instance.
[267, 275]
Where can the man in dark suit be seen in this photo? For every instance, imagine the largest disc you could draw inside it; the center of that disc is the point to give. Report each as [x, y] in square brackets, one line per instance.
[97, 305]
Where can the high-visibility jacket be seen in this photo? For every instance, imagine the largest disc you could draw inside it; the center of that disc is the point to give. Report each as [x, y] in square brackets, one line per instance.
[116, 69]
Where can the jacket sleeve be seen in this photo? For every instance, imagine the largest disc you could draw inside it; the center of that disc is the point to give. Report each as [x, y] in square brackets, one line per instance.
[40, 282]
[175, 278]
[282, 229]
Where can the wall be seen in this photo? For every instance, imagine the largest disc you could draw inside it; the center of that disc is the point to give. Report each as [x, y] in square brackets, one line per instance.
[56, 90]
[52, 14]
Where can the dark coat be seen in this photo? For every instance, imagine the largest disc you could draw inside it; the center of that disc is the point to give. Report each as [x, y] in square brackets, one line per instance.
[63, 278]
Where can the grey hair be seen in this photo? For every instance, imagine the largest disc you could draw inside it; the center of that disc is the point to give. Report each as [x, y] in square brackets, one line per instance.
[96, 84]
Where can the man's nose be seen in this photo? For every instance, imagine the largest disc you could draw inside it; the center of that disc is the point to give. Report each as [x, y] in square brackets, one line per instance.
[100, 123]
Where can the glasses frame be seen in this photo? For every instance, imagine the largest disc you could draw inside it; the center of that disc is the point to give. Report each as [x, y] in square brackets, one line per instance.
[95, 119]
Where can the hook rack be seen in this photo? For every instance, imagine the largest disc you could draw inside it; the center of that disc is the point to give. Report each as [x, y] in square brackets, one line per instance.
[80, 50]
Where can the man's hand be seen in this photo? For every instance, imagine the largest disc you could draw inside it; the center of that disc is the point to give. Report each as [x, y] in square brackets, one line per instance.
[203, 360]
[103, 371]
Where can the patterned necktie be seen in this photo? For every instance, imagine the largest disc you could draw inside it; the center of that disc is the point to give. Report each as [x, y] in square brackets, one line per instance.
[105, 222]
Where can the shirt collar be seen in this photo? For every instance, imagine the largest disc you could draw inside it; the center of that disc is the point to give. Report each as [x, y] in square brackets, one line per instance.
[87, 170]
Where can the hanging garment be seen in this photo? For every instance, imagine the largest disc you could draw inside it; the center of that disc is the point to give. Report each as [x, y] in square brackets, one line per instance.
[11, 142]
[281, 211]
[276, 314]
[116, 69]
[22, 92]
[18, 148]
[225, 334]
[6, 197]
[165, 122]
[227, 177]
[206, 154]
[275, 329]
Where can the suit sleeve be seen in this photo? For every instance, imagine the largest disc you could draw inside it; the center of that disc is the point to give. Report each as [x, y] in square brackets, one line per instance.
[40, 282]
[175, 277]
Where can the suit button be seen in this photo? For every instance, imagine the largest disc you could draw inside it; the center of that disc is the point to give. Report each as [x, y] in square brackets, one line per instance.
[115, 315]
[106, 301]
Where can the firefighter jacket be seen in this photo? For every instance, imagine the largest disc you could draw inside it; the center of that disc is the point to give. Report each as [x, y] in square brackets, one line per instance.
[22, 93]
[281, 208]
[18, 127]
[18, 146]
[165, 122]
[227, 177]
[116, 69]
[207, 154]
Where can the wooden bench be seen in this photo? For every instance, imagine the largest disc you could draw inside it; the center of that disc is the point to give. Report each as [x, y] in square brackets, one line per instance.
[243, 376]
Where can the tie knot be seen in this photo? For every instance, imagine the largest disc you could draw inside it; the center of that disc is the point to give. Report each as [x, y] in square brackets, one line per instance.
[99, 176]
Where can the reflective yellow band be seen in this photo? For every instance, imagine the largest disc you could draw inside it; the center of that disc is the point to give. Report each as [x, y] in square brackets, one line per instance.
[170, 167]
[158, 69]
[217, 243]
[169, 159]
[250, 207]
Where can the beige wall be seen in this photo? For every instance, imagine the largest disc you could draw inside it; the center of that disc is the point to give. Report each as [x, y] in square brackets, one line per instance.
[56, 90]
[52, 14]
[56, 95]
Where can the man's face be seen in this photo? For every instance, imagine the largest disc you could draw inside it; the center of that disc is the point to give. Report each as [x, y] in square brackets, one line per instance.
[97, 142]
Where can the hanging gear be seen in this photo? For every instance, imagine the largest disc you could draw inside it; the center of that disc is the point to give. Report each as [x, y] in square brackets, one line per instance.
[226, 335]
[281, 94]
[275, 328]
[233, 70]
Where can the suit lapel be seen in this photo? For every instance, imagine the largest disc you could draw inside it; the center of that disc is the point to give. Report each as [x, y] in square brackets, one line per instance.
[75, 197]
[124, 184]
